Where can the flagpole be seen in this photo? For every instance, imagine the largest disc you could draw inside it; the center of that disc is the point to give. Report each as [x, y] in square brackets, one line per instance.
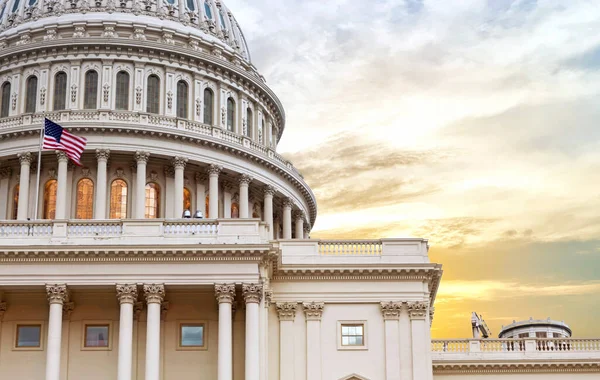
[39, 167]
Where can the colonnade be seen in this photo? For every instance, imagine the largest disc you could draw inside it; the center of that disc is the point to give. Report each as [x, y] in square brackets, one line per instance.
[293, 219]
[154, 295]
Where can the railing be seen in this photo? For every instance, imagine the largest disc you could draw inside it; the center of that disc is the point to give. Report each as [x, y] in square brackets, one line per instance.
[559, 344]
[10, 229]
[450, 345]
[467, 346]
[191, 228]
[350, 247]
[95, 228]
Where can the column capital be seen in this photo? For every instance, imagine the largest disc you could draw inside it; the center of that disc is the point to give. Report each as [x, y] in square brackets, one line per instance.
[214, 170]
[141, 157]
[102, 154]
[25, 158]
[127, 293]
[268, 297]
[417, 310]
[286, 310]
[5, 173]
[225, 293]
[57, 293]
[228, 187]
[179, 162]
[154, 293]
[313, 310]
[245, 180]
[252, 292]
[169, 171]
[268, 190]
[287, 202]
[68, 308]
[299, 214]
[62, 156]
[391, 310]
[200, 177]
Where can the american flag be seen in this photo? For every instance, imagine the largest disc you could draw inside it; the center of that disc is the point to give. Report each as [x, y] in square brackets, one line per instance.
[57, 138]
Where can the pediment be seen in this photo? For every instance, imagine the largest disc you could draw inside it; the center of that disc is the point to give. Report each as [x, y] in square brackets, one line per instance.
[354, 377]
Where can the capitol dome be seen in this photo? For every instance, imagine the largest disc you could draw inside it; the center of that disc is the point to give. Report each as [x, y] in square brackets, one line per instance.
[167, 97]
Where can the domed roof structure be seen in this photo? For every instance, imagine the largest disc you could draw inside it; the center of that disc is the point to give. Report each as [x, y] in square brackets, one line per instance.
[207, 19]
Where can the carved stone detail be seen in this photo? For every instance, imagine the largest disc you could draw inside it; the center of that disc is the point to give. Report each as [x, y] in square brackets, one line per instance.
[287, 202]
[225, 293]
[298, 214]
[417, 310]
[154, 293]
[61, 156]
[313, 310]
[102, 154]
[57, 293]
[245, 180]
[141, 157]
[5, 173]
[286, 310]
[200, 177]
[169, 171]
[127, 293]
[25, 158]
[68, 308]
[138, 307]
[252, 292]
[179, 162]
[391, 310]
[269, 190]
[214, 169]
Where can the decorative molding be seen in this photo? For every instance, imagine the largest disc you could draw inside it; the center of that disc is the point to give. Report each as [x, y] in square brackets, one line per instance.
[141, 157]
[120, 173]
[485, 368]
[214, 170]
[3, 307]
[200, 177]
[57, 293]
[313, 310]
[225, 293]
[68, 308]
[86, 173]
[268, 190]
[138, 308]
[286, 310]
[154, 293]
[391, 310]
[5, 173]
[61, 156]
[268, 295]
[102, 154]
[287, 202]
[179, 162]
[299, 214]
[245, 179]
[25, 158]
[252, 292]
[127, 293]
[169, 172]
[417, 310]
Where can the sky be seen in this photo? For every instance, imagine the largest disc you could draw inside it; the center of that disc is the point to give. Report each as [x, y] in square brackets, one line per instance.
[472, 123]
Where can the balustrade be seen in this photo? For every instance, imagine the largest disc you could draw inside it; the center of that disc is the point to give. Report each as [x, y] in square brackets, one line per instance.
[464, 346]
[10, 229]
[191, 228]
[95, 228]
[350, 247]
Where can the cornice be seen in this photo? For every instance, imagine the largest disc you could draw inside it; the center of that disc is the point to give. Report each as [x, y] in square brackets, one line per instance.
[510, 368]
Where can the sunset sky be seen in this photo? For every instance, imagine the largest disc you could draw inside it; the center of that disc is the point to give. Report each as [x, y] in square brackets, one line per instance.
[472, 123]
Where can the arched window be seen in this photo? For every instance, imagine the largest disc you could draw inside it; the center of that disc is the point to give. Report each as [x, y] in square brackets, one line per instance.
[90, 96]
[182, 99]
[153, 94]
[207, 10]
[230, 114]
[208, 106]
[206, 206]
[118, 199]
[248, 122]
[152, 200]
[15, 209]
[187, 199]
[50, 199]
[31, 94]
[235, 211]
[122, 91]
[257, 211]
[5, 100]
[261, 131]
[60, 91]
[85, 199]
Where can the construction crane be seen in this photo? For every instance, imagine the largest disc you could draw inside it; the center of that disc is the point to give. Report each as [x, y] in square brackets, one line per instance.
[480, 329]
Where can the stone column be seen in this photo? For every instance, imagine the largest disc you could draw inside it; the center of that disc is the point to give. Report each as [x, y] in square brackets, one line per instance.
[391, 316]
[421, 348]
[287, 218]
[154, 294]
[26, 159]
[313, 312]
[101, 183]
[306, 231]
[57, 296]
[179, 166]
[140, 184]
[61, 189]
[252, 296]
[405, 345]
[127, 296]
[213, 191]
[225, 294]
[244, 183]
[269, 191]
[299, 223]
[287, 314]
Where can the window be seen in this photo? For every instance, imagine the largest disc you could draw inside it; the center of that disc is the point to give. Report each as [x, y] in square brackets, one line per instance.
[28, 336]
[122, 91]
[60, 91]
[187, 199]
[261, 134]
[206, 206]
[235, 211]
[190, 5]
[192, 336]
[15, 209]
[352, 335]
[541, 334]
[96, 336]
[118, 199]
[208, 11]
[152, 200]
[5, 107]
[90, 97]
[153, 94]
[249, 122]
[223, 24]
[524, 335]
[31, 94]
[208, 106]
[230, 114]
[85, 199]
[182, 99]
[50, 199]
[15, 6]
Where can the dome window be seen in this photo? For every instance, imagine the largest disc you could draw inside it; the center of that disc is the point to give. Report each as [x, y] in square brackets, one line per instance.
[153, 94]
[249, 122]
[32, 2]
[30, 94]
[50, 190]
[171, 2]
[2, 11]
[15, 6]
[230, 114]
[60, 91]
[208, 106]
[152, 200]
[208, 11]
[5, 105]
[122, 91]
[85, 199]
[223, 25]
[191, 5]
[90, 97]
[182, 99]
[118, 199]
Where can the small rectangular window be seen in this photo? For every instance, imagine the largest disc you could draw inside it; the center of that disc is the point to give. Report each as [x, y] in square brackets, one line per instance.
[29, 336]
[352, 335]
[192, 335]
[97, 336]
[524, 335]
[541, 334]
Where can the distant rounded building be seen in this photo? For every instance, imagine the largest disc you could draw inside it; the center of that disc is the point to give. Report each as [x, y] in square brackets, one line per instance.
[536, 328]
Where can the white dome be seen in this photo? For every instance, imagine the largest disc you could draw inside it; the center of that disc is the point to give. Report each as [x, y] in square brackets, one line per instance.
[209, 20]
